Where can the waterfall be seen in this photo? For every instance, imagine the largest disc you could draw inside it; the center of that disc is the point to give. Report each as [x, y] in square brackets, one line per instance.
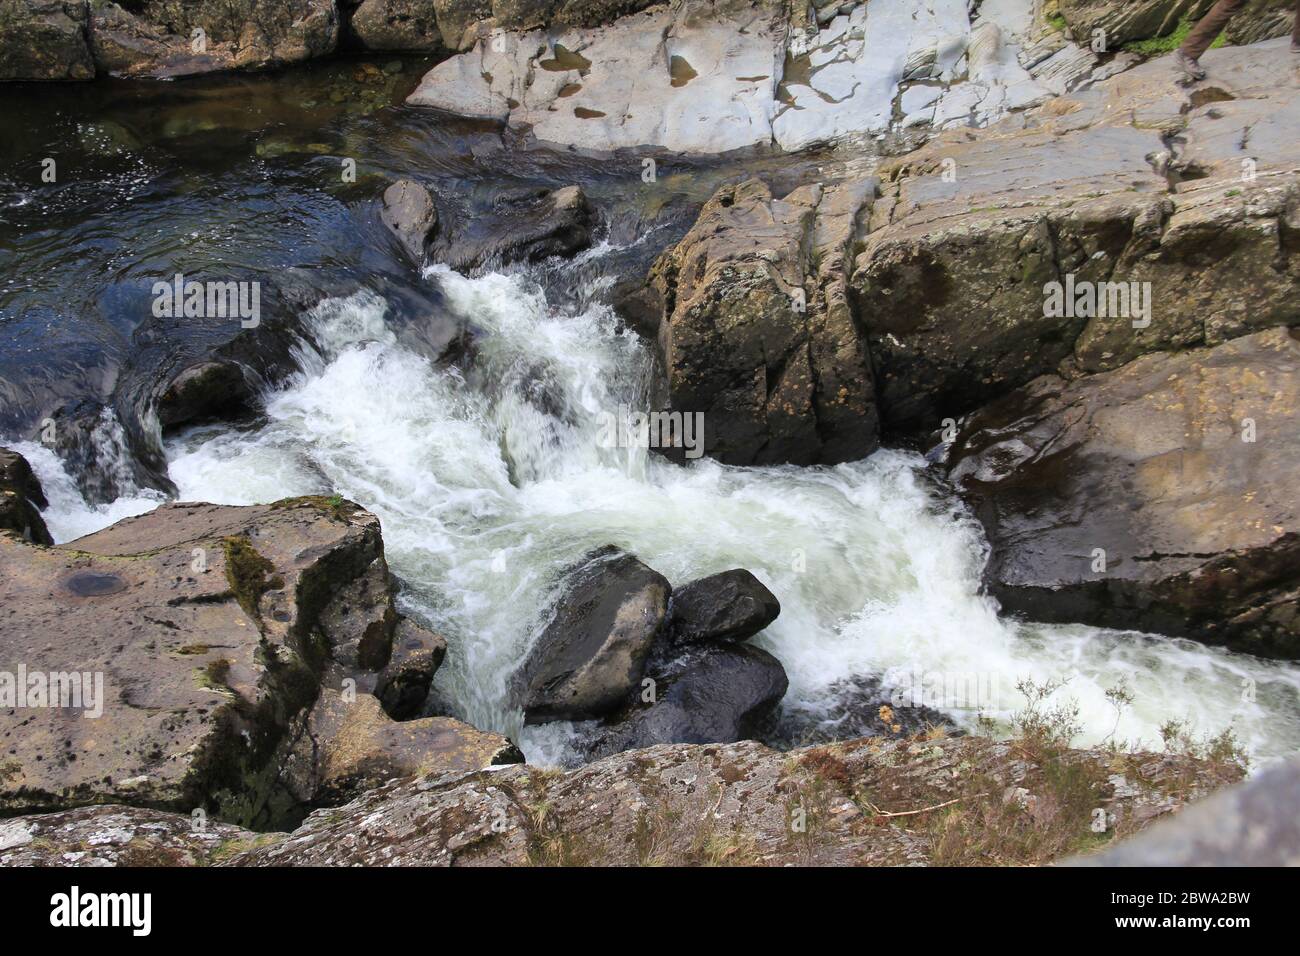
[490, 480]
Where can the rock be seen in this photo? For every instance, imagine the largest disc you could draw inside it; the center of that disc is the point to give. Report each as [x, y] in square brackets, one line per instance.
[757, 335]
[1251, 824]
[1125, 20]
[207, 390]
[44, 40]
[119, 836]
[731, 606]
[526, 226]
[403, 685]
[711, 76]
[21, 499]
[1084, 191]
[863, 707]
[411, 215]
[691, 77]
[397, 25]
[344, 748]
[738, 804]
[194, 634]
[1158, 497]
[590, 656]
[714, 693]
[158, 39]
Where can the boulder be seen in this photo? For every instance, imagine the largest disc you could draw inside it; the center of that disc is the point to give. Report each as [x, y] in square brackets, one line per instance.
[346, 745]
[590, 656]
[731, 606]
[714, 693]
[45, 40]
[207, 390]
[167, 656]
[756, 333]
[1158, 497]
[159, 39]
[1137, 180]
[409, 212]
[21, 499]
[525, 226]
[403, 685]
[397, 25]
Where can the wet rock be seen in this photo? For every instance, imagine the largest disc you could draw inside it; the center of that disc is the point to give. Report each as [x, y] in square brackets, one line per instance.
[862, 707]
[183, 642]
[523, 226]
[1158, 497]
[345, 746]
[403, 685]
[718, 693]
[410, 214]
[44, 40]
[119, 836]
[21, 499]
[1251, 824]
[207, 390]
[757, 335]
[731, 606]
[397, 25]
[590, 656]
[157, 39]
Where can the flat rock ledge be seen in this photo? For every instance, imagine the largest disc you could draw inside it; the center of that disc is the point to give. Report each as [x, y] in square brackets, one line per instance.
[867, 802]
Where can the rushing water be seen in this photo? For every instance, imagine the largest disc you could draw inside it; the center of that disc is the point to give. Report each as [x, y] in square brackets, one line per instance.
[486, 488]
[488, 481]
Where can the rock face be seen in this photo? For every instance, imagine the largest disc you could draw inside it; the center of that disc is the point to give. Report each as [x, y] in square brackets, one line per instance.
[170, 658]
[710, 76]
[343, 748]
[1137, 180]
[743, 804]
[731, 606]
[119, 836]
[756, 331]
[45, 40]
[159, 39]
[690, 76]
[591, 655]
[1125, 20]
[397, 25]
[403, 685]
[526, 226]
[21, 499]
[411, 215]
[1159, 497]
[1251, 824]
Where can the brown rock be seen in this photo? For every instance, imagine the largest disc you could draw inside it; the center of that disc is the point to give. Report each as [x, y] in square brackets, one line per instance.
[1159, 497]
[44, 40]
[757, 334]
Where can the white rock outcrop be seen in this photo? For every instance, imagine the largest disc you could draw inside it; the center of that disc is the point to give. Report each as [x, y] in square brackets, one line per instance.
[709, 76]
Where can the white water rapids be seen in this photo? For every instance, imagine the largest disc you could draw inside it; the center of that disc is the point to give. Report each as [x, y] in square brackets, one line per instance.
[484, 494]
